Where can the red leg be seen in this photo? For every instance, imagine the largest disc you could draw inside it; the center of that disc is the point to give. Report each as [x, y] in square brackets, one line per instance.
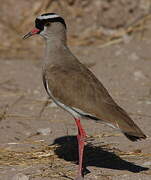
[81, 141]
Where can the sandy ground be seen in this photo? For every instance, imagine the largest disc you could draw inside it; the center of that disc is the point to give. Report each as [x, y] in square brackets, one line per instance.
[44, 147]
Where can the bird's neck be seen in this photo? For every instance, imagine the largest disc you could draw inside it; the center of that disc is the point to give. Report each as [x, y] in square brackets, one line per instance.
[54, 46]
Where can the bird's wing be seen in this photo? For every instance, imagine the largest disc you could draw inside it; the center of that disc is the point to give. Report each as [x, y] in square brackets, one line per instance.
[77, 87]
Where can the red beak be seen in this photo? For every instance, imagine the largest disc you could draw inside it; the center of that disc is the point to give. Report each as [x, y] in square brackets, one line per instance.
[31, 33]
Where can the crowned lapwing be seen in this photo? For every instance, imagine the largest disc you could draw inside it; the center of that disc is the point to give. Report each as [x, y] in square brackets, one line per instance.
[75, 88]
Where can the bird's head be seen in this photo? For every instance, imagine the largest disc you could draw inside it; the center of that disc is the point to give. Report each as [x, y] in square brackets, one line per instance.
[46, 24]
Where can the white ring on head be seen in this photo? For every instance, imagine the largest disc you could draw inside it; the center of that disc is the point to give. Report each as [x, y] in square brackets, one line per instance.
[48, 16]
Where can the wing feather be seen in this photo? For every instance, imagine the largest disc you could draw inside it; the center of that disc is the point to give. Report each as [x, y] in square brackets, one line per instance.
[76, 86]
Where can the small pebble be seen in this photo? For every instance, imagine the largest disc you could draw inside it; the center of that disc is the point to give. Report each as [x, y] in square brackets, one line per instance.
[148, 102]
[147, 163]
[119, 52]
[134, 57]
[20, 176]
[44, 131]
[138, 75]
[127, 38]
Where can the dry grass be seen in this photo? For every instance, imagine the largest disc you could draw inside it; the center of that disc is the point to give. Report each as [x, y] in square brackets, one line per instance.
[52, 165]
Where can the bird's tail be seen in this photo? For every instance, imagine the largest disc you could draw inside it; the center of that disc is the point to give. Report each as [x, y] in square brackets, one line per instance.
[135, 137]
[129, 128]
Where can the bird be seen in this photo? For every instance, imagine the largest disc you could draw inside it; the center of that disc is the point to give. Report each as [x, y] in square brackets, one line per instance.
[74, 88]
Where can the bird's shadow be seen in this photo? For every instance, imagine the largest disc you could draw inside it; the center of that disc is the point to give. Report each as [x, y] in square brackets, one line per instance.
[93, 156]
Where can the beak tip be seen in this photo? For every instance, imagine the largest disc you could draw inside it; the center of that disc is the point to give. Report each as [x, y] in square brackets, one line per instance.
[27, 35]
[23, 38]
[33, 32]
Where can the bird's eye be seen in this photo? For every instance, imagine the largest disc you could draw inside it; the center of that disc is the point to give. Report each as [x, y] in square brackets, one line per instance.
[47, 24]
